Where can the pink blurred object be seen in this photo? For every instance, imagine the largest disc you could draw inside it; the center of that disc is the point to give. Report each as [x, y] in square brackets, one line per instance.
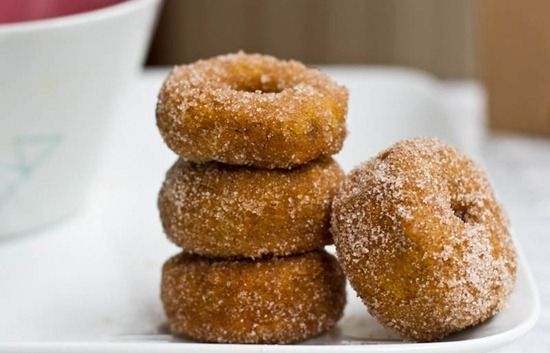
[12, 11]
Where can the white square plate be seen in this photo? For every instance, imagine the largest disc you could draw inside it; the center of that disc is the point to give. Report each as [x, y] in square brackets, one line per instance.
[91, 284]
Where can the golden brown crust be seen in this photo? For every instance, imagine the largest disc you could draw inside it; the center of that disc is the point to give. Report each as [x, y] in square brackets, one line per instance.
[251, 109]
[225, 211]
[275, 300]
[423, 240]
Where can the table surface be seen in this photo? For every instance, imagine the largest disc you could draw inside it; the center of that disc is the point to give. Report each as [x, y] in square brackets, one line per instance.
[518, 166]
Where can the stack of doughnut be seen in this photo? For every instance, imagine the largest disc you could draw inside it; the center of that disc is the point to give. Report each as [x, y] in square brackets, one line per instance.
[249, 199]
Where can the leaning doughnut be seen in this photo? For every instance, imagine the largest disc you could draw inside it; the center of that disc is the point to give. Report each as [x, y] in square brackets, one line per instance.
[423, 241]
[225, 211]
[275, 300]
[251, 110]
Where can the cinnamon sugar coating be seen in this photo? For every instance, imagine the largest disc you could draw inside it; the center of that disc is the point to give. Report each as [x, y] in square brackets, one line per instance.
[423, 241]
[275, 300]
[251, 109]
[227, 211]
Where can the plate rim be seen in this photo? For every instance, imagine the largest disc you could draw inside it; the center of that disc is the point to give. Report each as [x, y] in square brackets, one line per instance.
[475, 344]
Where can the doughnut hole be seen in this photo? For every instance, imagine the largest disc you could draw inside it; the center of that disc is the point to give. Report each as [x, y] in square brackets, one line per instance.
[460, 211]
[258, 84]
[258, 80]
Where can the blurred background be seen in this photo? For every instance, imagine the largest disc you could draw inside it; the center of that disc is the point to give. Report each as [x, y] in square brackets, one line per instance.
[504, 43]
[432, 35]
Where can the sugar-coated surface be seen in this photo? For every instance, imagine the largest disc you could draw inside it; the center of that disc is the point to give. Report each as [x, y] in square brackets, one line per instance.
[423, 240]
[275, 300]
[251, 109]
[226, 211]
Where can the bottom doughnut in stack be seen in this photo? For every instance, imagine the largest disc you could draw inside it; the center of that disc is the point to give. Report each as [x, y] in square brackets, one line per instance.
[268, 300]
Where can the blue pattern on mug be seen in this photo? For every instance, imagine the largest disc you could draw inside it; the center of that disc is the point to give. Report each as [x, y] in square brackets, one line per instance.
[20, 162]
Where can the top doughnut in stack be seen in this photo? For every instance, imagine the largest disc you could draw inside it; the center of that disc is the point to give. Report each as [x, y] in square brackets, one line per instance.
[254, 181]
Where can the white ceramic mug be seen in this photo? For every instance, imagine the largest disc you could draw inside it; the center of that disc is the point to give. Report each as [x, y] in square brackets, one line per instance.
[59, 81]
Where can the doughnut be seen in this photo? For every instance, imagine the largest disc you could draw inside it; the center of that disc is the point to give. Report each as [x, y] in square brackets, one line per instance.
[423, 241]
[221, 210]
[271, 300]
[251, 109]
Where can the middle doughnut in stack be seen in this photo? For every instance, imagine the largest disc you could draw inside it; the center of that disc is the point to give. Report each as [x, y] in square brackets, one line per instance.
[251, 193]
[225, 211]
